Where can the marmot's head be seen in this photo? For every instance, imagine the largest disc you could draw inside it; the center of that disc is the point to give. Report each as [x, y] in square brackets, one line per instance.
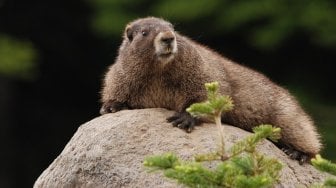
[151, 39]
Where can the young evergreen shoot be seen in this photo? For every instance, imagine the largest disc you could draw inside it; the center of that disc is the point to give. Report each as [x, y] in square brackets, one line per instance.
[212, 109]
[239, 166]
[248, 144]
[325, 166]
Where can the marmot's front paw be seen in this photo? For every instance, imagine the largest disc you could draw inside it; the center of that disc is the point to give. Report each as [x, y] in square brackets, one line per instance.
[183, 120]
[113, 106]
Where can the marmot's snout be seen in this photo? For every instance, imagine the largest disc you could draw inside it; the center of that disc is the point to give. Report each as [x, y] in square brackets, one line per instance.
[167, 38]
[165, 45]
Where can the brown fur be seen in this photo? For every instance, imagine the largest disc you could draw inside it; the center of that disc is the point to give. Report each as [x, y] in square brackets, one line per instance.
[143, 78]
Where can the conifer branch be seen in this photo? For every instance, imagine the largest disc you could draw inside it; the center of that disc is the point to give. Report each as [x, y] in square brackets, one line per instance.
[248, 144]
[213, 109]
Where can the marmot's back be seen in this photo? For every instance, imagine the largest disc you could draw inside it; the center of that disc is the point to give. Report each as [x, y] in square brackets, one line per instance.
[157, 67]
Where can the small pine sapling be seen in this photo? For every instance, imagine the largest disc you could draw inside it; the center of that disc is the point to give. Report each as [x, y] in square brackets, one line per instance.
[213, 109]
[239, 166]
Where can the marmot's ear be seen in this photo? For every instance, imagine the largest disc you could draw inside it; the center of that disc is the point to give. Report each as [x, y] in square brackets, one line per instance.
[129, 33]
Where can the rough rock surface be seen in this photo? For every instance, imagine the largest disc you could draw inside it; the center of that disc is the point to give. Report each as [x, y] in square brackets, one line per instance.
[108, 151]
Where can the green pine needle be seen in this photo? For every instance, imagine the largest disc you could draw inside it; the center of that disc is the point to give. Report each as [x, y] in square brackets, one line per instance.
[214, 106]
[200, 110]
[193, 175]
[207, 157]
[245, 163]
[249, 143]
[253, 181]
[267, 131]
[168, 160]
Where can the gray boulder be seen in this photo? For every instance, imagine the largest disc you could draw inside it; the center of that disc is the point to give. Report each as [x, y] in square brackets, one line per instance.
[109, 150]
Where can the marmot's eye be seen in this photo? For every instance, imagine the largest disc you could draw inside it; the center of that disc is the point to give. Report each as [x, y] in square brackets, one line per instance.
[144, 33]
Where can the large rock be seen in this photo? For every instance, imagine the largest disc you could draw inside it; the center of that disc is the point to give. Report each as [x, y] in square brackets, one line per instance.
[109, 151]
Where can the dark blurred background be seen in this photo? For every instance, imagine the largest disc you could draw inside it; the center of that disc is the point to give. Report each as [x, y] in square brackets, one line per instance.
[53, 55]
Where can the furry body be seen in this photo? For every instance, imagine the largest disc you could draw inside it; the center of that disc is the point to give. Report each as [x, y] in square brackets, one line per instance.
[158, 67]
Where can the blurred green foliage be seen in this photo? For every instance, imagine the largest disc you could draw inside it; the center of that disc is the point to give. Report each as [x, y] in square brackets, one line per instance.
[176, 10]
[110, 16]
[268, 23]
[17, 58]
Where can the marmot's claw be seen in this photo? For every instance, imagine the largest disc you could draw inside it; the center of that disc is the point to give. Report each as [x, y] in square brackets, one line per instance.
[304, 159]
[296, 155]
[112, 107]
[183, 120]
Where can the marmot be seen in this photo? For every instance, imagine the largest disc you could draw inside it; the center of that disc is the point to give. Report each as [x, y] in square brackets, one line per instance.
[158, 67]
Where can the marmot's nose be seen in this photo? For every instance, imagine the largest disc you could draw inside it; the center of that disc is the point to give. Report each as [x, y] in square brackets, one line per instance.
[167, 38]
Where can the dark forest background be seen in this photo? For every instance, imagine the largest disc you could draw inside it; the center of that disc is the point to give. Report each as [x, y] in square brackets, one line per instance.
[53, 55]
